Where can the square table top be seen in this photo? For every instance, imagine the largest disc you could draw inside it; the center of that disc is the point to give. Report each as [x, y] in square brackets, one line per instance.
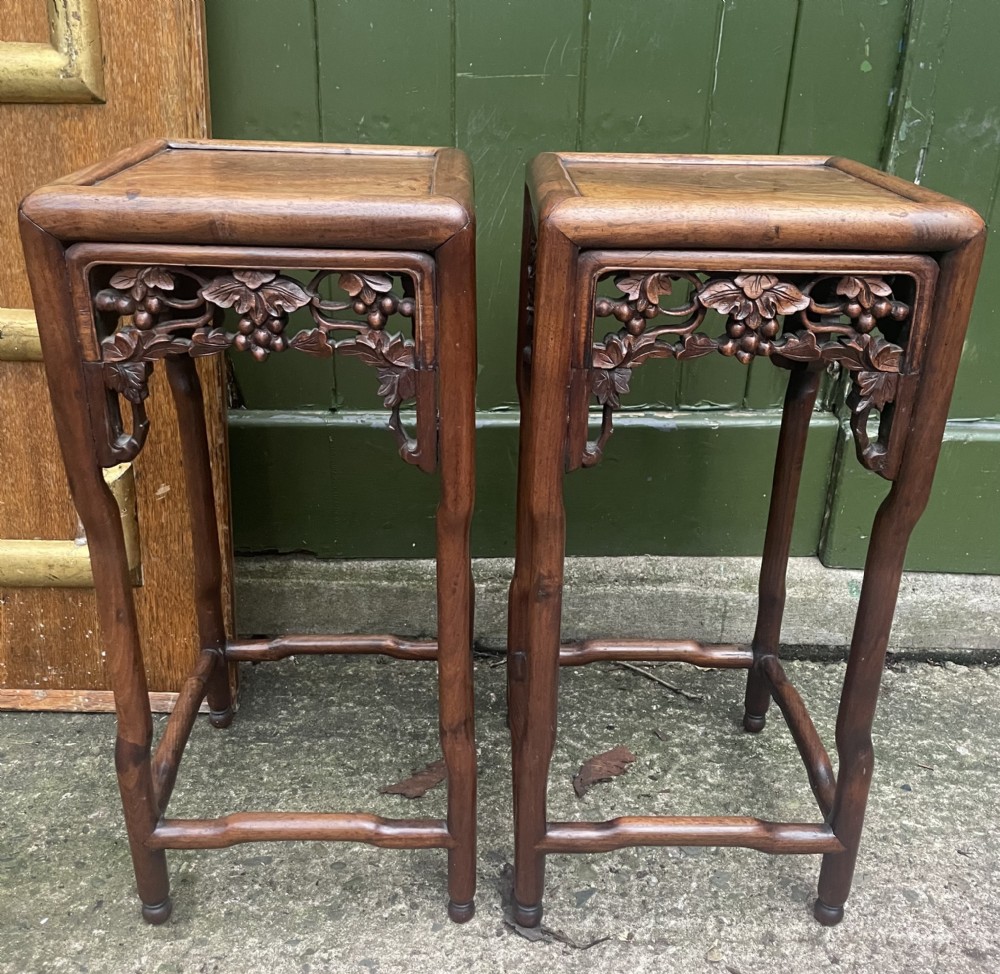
[741, 202]
[264, 194]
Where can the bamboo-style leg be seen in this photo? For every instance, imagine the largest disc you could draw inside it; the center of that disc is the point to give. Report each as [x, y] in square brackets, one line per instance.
[101, 519]
[522, 543]
[883, 571]
[186, 388]
[455, 596]
[895, 519]
[533, 661]
[800, 398]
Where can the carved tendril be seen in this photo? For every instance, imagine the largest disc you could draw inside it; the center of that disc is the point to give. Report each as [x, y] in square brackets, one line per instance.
[754, 306]
[164, 324]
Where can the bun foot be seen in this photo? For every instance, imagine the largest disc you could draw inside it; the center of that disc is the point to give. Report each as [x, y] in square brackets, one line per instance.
[829, 916]
[221, 718]
[461, 912]
[527, 916]
[157, 913]
[752, 724]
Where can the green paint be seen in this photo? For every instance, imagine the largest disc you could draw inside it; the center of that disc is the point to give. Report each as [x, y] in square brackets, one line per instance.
[517, 93]
[679, 483]
[831, 107]
[505, 81]
[958, 532]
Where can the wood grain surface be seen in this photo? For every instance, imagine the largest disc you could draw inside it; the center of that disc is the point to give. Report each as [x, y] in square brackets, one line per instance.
[49, 638]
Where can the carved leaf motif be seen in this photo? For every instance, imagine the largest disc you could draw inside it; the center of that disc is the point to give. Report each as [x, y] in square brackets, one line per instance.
[257, 294]
[609, 385]
[254, 278]
[160, 346]
[367, 287]
[129, 379]
[697, 345]
[312, 342]
[643, 347]
[754, 285]
[124, 345]
[860, 352]
[209, 342]
[646, 289]
[611, 354]
[781, 299]
[876, 389]
[726, 298]
[396, 385]
[753, 298]
[800, 347]
[138, 280]
[863, 289]
[883, 355]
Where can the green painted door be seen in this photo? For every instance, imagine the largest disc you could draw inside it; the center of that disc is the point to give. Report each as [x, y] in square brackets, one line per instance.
[912, 86]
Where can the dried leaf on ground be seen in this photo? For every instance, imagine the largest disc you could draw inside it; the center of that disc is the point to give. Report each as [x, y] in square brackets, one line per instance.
[541, 933]
[420, 782]
[601, 767]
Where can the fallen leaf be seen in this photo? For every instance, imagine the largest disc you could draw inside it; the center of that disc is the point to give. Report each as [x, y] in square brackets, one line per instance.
[419, 783]
[713, 955]
[540, 934]
[601, 767]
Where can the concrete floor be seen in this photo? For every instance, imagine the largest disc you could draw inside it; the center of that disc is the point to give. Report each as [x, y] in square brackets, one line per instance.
[328, 733]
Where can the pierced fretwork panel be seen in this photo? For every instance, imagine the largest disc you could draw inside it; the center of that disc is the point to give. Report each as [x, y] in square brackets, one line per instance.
[861, 322]
[146, 312]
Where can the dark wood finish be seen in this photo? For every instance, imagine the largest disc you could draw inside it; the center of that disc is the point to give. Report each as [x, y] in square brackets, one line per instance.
[66, 670]
[220, 833]
[713, 655]
[138, 260]
[782, 248]
[749, 833]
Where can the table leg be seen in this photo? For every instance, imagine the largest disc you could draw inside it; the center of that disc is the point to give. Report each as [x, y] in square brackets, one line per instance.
[800, 398]
[186, 388]
[455, 593]
[533, 662]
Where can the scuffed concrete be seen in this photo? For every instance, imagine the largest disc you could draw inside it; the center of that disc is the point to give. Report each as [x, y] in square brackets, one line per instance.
[712, 599]
[328, 733]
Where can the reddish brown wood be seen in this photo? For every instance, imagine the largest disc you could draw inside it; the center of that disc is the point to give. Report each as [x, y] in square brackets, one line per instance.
[750, 833]
[220, 833]
[138, 260]
[715, 655]
[822, 780]
[782, 248]
[281, 647]
[170, 748]
[800, 397]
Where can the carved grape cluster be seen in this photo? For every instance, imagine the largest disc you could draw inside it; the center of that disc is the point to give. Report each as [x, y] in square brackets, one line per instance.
[138, 291]
[754, 305]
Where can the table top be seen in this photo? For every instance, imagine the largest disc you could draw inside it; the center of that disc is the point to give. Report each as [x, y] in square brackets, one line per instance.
[266, 194]
[741, 202]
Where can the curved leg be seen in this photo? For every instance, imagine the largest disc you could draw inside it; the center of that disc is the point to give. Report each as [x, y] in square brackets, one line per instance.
[186, 389]
[800, 398]
[536, 597]
[455, 594]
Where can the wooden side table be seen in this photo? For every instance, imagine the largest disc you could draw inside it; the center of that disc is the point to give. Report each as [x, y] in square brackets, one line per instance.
[171, 251]
[809, 262]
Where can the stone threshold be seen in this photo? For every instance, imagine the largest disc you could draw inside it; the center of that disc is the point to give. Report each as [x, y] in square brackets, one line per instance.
[938, 616]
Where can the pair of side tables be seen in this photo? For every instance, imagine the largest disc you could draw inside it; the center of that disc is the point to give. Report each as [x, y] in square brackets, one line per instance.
[174, 250]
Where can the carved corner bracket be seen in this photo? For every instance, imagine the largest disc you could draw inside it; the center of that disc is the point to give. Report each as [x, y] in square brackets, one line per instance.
[159, 312]
[764, 316]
